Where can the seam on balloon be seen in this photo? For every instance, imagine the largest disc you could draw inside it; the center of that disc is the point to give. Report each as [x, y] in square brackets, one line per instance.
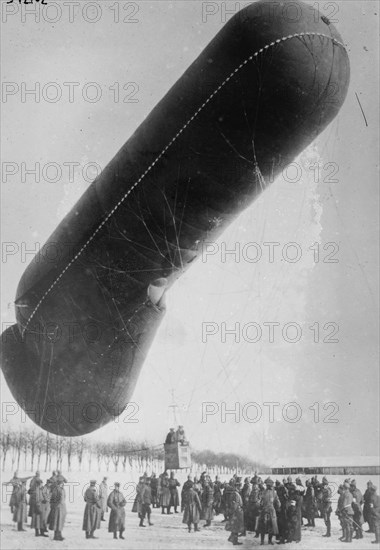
[188, 122]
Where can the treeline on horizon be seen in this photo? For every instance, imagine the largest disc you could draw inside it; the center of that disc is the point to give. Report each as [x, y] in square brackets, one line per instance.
[29, 449]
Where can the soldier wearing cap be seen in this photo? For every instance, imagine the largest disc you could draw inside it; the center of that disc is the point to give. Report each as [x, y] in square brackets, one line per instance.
[116, 502]
[326, 506]
[357, 507]
[254, 506]
[269, 505]
[92, 511]
[346, 512]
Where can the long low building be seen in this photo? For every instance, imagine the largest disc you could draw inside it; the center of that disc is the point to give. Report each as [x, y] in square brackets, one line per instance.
[327, 465]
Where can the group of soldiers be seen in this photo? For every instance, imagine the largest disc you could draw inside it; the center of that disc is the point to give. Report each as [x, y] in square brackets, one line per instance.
[47, 503]
[276, 509]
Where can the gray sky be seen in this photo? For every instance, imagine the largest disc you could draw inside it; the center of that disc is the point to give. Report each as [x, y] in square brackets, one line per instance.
[150, 54]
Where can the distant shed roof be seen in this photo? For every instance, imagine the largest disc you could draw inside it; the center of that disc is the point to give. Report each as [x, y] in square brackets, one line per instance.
[326, 461]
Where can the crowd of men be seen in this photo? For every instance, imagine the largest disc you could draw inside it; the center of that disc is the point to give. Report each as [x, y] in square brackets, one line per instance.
[276, 509]
[47, 503]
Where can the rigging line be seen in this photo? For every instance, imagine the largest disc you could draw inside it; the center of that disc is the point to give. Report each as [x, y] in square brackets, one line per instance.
[361, 108]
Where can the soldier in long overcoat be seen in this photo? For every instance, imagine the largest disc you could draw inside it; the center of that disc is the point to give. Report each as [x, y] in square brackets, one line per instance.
[174, 495]
[57, 514]
[164, 493]
[253, 511]
[269, 504]
[32, 489]
[38, 520]
[217, 495]
[45, 505]
[15, 481]
[311, 508]
[235, 522]
[146, 502]
[207, 501]
[103, 495]
[375, 513]
[357, 507]
[154, 488]
[346, 512]
[325, 505]
[20, 505]
[367, 507]
[245, 493]
[192, 508]
[282, 521]
[92, 511]
[116, 502]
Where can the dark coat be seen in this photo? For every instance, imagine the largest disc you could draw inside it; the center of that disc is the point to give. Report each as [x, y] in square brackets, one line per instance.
[235, 522]
[174, 495]
[165, 495]
[20, 506]
[207, 502]
[57, 514]
[92, 511]
[116, 502]
[192, 511]
[269, 503]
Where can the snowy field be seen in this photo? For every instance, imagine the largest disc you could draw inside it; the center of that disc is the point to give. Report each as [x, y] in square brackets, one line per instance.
[168, 532]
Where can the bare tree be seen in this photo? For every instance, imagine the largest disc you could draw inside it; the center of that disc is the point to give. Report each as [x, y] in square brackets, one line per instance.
[48, 451]
[69, 447]
[79, 447]
[40, 445]
[6, 442]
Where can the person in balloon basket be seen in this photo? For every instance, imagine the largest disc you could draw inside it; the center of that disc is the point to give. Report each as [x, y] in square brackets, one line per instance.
[92, 511]
[57, 514]
[116, 502]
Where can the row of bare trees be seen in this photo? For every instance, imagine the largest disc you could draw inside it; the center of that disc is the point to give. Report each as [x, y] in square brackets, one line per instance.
[29, 449]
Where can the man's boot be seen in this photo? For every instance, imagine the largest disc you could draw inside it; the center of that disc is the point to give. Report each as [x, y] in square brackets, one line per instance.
[87, 535]
[115, 535]
[162, 510]
[169, 512]
[196, 528]
[262, 539]
[37, 532]
[122, 531]
[328, 532]
[92, 536]
[189, 527]
[141, 524]
[270, 540]
[20, 527]
[43, 533]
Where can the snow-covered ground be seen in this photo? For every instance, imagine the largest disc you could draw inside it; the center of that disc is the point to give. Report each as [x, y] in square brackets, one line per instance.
[167, 532]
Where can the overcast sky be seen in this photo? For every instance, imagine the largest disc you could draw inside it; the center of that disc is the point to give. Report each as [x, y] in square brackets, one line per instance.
[337, 204]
